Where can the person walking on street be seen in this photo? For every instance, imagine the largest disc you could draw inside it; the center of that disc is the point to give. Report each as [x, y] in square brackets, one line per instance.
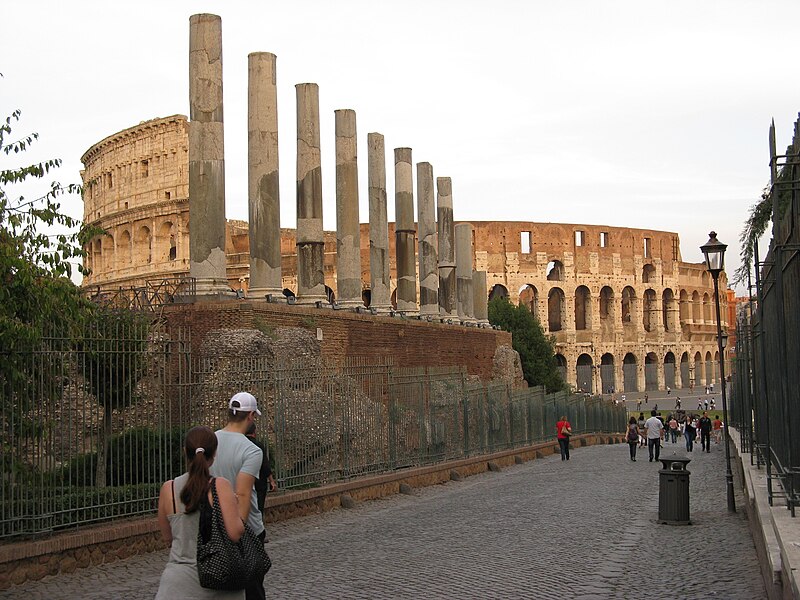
[640, 424]
[673, 428]
[689, 433]
[564, 430]
[716, 425]
[179, 507]
[266, 481]
[239, 461]
[705, 433]
[655, 429]
[632, 437]
[678, 403]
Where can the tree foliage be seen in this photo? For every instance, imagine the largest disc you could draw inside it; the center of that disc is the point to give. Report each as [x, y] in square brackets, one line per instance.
[536, 350]
[38, 246]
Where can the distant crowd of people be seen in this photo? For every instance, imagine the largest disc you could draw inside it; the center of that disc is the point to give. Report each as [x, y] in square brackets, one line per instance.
[657, 430]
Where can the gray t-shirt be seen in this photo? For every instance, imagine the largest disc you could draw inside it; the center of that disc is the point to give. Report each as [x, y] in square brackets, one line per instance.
[236, 454]
[654, 427]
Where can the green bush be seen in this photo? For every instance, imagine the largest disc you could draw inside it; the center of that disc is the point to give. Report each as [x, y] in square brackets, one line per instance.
[137, 456]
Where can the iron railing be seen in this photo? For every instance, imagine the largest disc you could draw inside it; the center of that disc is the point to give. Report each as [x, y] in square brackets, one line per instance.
[92, 425]
[767, 363]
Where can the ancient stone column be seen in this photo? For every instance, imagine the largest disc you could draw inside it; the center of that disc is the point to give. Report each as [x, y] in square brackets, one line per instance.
[348, 229]
[405, 233]
[263, 185]
[464, 273]
[428, 254]
[310, 240]
[448, 307]
[480, 298]
[206, 157]
[378, 225]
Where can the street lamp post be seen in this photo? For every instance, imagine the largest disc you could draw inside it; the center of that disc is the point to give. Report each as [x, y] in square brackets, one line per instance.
[714, 252]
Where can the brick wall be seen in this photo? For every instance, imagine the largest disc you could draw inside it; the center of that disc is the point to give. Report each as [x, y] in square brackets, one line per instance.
[409, 343]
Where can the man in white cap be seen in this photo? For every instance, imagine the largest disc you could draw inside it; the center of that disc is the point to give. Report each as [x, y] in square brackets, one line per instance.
[239, 461]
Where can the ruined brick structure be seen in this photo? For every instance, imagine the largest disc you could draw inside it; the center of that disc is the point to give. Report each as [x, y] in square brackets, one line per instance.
[626, 312]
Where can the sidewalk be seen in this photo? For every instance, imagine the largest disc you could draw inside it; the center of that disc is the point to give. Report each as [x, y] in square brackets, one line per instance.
[584, 528]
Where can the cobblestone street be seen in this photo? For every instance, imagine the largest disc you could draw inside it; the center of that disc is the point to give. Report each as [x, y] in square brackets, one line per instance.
[585, 528]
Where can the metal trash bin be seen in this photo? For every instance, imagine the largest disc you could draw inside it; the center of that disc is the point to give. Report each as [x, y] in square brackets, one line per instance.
[673, 491]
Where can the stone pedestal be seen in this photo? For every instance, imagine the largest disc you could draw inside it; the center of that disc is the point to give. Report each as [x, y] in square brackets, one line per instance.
[263, 185]
[207, 259]
[405, 233]
[380, 300]
[348, 230]
[310, 240]
[448, 308]
[428, 254]
[464, 273]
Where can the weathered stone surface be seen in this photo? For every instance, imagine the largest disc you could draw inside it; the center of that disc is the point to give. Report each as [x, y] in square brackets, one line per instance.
[480, 297]
[405, 231]
[310, 239]
[448, 307]
[426, 231]
[206, 157]
[464, 264]
[380, 283]
[347, 501]
[348, 230]
[455, 475]
[406, 489]
[493, 466]
[263, 184]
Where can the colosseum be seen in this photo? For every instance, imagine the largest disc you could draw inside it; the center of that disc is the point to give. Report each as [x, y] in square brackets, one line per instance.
[625, 311]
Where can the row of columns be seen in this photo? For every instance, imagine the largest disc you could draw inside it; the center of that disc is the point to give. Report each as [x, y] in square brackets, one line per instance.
[449, 287]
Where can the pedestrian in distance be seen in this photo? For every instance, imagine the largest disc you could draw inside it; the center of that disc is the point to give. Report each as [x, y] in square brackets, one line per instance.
[705, 404]
[669, 390]
[705, 432]
[655, 430]
[699, 403]
[640, 423]
[179, 505]
[689, 433]
[673, 428]
[716, 426]
[713, 406]
[639, 404]
[678, 403]
[239, 461]
[564, 430]
[632, 437]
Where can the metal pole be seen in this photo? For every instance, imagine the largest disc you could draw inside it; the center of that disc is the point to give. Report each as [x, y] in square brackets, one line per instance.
[728, 473]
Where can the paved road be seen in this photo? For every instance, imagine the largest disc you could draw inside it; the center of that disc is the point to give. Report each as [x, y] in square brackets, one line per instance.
[585, 528]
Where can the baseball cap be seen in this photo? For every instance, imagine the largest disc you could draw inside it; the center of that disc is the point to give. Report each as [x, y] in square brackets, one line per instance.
[247, 403]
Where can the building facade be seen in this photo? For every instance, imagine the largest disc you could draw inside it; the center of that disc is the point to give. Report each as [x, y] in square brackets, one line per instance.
[626, 312]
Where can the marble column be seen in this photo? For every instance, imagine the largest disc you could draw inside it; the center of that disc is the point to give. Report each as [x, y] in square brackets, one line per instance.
[480, 298]
[448, 306]
[348, 229]
[378, 225]
[405, 233]
[207, 259]
[464, 273]
[310, 240]
[262, 170]
[428, 254]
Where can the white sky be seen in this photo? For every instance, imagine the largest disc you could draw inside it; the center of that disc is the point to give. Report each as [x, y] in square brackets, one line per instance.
[630, 113]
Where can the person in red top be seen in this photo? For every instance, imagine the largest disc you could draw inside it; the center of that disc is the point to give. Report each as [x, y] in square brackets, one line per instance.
[564, 430]
[717, 425]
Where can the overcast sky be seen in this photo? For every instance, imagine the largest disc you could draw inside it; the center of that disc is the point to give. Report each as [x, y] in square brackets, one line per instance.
[623, 113]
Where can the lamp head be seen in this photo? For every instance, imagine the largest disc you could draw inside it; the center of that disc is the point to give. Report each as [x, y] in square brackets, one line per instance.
[714, 252]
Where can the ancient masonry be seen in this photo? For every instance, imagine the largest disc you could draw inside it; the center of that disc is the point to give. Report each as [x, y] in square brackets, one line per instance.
[626, 312]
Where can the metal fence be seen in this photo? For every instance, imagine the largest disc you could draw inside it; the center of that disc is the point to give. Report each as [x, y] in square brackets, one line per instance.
[91, 426]
[767, 369]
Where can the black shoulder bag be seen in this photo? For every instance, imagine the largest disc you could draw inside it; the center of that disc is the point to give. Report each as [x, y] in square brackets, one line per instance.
[223, 564]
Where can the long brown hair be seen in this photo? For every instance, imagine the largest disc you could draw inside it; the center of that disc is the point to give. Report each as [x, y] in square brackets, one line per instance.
[200, 447]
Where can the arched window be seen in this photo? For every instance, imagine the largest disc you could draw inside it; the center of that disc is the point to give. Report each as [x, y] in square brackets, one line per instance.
[697, 308]
[555, 271]
[629, 373]
[669, 370]
[584, 374]
[529, 297]
[144, 245]
[685, 308]
[668, 312]
[628, 304]
[555, 309]
[124, 249]
[648, 274]
[650, 372]
[498, 291]
[649, 314]
[583, 308]
[607, 374]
